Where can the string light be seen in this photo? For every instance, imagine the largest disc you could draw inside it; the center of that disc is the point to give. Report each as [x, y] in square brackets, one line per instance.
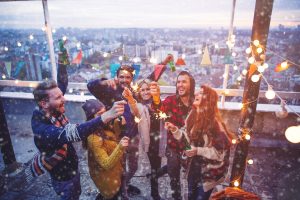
[244, 72]
[239, 78]
[248, 50]
[241, 105]
[78, 45]
[259, 50]
[54, 30]
[256, 43]
[64, 38]
[3, 76]
[247, 137]
[81, 93]
[19, 44]
[250, 162]
[216, 46]
[120, 58]
[292, 134]
[233, 54]
[5, 48]
[199, 51]
[255, 78]
[251, 60]
[233, 141]
[235, 67]
[71, 90]
[236, 183]
[261, 68]
[265, 65]
[105, 54]
[16, 81]
[270, 94]
[43, 28]
[31, 37]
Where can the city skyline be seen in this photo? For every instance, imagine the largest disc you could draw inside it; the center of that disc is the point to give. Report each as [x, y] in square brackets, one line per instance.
[143, 14]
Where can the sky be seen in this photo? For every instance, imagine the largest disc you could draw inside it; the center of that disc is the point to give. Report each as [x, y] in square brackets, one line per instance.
[142, 13]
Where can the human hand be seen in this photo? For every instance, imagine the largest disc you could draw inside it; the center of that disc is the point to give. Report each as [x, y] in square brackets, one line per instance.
[170, 127]
[124, 141]
[192, 152]
[116, 110]
[168, 59]
[127, 94]
[112, 83]
[155, 92]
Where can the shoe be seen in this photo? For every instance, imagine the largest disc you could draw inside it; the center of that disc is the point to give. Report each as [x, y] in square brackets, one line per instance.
[132, 190]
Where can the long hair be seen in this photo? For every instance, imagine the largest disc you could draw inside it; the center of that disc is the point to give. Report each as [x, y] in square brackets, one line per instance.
[204, 122]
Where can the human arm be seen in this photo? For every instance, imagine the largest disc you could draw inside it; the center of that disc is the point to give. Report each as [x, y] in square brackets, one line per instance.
[127, 94]
[95, 144]
[53, 136]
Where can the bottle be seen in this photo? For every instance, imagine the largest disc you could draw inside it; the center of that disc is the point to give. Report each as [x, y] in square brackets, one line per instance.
[187, 146]
[171, 63]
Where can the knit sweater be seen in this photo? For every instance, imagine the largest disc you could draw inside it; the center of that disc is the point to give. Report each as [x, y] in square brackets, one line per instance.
[214, 154]
[105, 163]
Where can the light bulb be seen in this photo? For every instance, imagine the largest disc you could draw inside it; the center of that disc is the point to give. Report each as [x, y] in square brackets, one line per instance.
[235, 67]
[284, 65]
[216, 46]
[31, 37]
[247, 137]
[78, 45]
[265, 65]
[43, 28]
[251, 60]
[236, 183]
[183, 56]
[199, 52]
[54, 30]
[81, 93]
[3, 76]
[239, 78]
[105, 54]
[64, 38]
[244, 72]
[270, 94]
[233, 141]
[19, 44]
[250, 162]
[71, 90]
[5, 48]
[261, 68]
[233, 54]
[248, 50]
[16, 81]
[255, 78]
[120, 58]
[256, 43]
[259, 50]
[292, 134]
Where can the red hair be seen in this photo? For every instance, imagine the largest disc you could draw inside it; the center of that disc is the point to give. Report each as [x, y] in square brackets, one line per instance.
[204, 121]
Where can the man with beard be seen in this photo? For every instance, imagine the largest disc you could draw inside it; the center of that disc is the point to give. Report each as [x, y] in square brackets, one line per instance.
[53, 135]
[176, 107]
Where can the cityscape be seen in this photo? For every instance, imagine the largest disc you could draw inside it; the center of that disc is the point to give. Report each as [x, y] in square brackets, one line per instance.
[25, 55]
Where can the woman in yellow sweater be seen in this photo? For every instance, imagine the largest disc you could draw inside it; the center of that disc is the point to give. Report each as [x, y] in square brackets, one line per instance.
[104, 154]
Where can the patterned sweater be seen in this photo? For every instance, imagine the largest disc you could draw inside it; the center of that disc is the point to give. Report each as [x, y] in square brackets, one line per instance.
[105, 163]
[214, 153]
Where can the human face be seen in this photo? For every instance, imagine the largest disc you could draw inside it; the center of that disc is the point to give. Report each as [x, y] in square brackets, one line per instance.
[55, 104]
[100, 112]
[124, 78]
[145, 92]
[183, 85]
[198, 98]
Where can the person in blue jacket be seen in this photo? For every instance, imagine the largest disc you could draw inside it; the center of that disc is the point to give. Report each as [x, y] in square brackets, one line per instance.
[53, 133]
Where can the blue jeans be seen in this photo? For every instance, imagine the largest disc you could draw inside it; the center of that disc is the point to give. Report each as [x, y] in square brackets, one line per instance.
[68, 190]
[195, 186]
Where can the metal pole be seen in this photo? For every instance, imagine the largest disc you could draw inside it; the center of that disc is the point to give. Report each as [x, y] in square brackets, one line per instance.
[226, 72]
[7, 150]
[260, 31]
[50, 39]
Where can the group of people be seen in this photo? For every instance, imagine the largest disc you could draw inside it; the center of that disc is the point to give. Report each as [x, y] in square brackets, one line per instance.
[119, 120]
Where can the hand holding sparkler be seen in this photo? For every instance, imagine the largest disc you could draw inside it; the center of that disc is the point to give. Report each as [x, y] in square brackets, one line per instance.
[127, 94]
[155, 92]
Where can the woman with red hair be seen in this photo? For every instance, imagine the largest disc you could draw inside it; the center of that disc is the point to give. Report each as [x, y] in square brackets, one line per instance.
[209, 144]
